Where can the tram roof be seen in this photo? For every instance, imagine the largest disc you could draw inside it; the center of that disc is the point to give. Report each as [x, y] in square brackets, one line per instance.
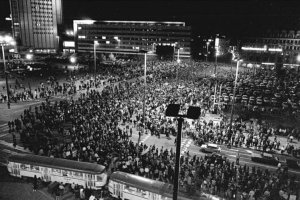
[57, 163]
[142, 183]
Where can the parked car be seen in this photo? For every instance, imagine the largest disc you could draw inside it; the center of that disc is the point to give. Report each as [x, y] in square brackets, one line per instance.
[210, 148]
[267, 158]
[294, 164]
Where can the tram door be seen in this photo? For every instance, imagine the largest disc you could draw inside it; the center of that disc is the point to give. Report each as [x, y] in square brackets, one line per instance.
[90, 181]
[46, 176]
[15, 169]
[119, 190]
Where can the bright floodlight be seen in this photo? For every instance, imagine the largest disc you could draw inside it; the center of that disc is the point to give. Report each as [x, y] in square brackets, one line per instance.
[298, 58]
[96, 42]
[178, 60]
[29, 56]
[72, 59]
[6, 39]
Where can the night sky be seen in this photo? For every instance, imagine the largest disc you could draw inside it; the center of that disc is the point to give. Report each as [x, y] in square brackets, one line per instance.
[231, 18]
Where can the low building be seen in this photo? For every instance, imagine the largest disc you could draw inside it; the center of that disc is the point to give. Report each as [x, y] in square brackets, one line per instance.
[272, 46]
[129, 37]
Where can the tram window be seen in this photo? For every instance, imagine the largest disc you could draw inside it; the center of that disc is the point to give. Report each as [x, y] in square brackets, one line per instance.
[78, 174]
[66, 173]
[99, 178]
[89, 176]
[56, 171]
[26, 167]
[34, 168]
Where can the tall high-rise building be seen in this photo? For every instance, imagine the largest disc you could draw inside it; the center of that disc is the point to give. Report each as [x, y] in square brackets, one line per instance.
[35, 24]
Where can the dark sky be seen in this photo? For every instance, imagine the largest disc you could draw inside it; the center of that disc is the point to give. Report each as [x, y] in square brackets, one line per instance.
[212, 16]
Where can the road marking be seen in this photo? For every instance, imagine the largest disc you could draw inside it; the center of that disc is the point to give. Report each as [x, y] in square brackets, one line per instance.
[250, 152]
[3, 135]
[232, 155]
[146, 138]
[235, 149]
[11, 145]
[185, 146]
[9, 151]
[2, 130]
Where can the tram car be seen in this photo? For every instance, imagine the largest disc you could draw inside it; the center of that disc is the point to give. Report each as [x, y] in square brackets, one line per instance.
[89, 175]
[132, 187]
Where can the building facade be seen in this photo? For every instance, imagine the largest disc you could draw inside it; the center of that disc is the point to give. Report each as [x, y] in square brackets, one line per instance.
[35, 24]
[272, 46]
[129, 37]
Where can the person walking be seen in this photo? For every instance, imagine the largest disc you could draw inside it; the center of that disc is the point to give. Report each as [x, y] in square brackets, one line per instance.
[238, 158]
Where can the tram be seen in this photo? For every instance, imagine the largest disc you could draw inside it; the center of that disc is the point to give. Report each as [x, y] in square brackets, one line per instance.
[132, 187]
[89, 175]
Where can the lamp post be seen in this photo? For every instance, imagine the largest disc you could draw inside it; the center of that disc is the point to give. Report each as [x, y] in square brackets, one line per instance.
[5, 41]
[95, 45]
[217, 40]
[207, 44]
[298, 60]
[178, 62]
[57, 37]
[144, 96]
[173, 111]
[234, 91]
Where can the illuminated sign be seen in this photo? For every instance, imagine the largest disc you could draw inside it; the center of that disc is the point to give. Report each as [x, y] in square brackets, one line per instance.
[69, 44]
[274, 49]
[254, 49]
[217, 42]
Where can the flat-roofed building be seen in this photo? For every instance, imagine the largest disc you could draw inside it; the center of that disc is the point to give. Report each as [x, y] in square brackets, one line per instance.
[128, 37]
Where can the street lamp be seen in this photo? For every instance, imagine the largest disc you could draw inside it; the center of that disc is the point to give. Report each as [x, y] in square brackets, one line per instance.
[5, 41]
[234, 91]
[207, 44]
[145, 85]
[178, 62]
[173, 111]
[95, 45]
[73, 59]
[29, 56]
[57, 37]
[118, 40]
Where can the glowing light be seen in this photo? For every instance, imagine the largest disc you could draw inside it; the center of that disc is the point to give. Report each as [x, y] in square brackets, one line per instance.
[29, 56]
[73, 59]
[254, 49]
[274, 49]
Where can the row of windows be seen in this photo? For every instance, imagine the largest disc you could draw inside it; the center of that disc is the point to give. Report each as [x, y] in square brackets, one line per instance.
[41, 16]
[128, 28]
[42, 20]
[41, 12]
[38, 2]
[42, 32]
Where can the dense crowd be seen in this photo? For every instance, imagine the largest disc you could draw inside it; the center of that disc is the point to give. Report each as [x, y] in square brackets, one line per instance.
[98, 125]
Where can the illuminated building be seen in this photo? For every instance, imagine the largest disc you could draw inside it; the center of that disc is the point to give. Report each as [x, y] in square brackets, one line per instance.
[35, 24]
[272, 46]
[128, 37]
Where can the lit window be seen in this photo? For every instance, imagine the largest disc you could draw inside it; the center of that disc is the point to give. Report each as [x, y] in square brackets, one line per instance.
[81, 36]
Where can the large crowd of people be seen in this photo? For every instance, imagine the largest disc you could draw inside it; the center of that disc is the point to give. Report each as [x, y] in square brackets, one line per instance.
[98, 126]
